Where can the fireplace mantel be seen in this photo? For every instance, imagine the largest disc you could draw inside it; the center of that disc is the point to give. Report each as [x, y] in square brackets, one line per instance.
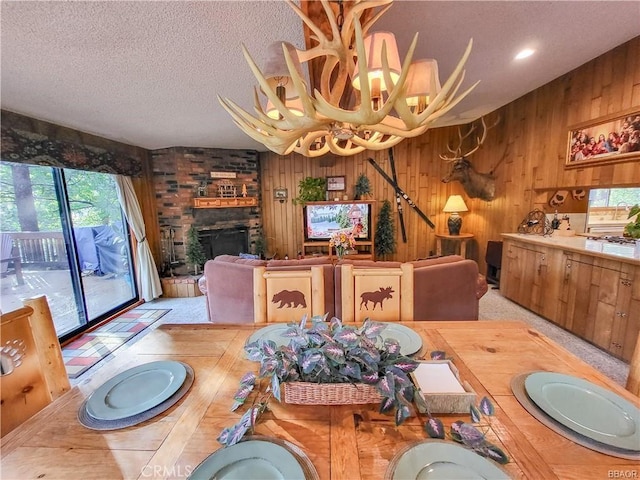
[219, 202]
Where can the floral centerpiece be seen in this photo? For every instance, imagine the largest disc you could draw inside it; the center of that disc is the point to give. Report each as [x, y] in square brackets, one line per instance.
[342, 241]
[327, 353]
[331, 353]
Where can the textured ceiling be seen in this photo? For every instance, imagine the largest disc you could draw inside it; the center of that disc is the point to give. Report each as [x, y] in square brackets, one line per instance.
[147, 73]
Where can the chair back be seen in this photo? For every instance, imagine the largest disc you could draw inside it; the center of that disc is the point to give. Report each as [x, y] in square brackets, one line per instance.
[33, 372]
[633, 380]
[6, 251]
[287, 295]
[381, 294]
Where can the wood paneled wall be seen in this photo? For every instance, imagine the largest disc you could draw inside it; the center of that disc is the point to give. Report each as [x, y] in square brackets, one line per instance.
[526, 151]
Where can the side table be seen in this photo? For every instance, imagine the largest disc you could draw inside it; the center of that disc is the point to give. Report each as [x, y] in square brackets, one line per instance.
[460, 241]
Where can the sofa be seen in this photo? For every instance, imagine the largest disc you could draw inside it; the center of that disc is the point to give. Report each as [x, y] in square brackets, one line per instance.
[445, 288]
[227, 283]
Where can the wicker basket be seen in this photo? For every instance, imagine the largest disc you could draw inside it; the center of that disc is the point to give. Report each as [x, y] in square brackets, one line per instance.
[305, 393]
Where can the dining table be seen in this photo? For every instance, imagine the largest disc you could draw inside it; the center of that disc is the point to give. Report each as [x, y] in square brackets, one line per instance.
[343, 442]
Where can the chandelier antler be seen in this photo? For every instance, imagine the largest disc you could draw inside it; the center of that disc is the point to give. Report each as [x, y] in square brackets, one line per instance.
[374, 120]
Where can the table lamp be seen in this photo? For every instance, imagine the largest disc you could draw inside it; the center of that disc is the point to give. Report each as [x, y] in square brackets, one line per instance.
[455, 204]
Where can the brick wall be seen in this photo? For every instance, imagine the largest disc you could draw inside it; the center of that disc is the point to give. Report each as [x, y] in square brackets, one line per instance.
[177, 173]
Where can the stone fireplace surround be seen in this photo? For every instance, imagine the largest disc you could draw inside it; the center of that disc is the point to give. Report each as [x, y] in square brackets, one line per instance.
[177, 174]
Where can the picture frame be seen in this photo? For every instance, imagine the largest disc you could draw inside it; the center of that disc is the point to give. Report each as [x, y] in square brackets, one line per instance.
[280, 193]
[336, 184]
[610, 139]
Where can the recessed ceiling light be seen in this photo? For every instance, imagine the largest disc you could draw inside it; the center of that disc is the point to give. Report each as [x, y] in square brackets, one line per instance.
[527, 52]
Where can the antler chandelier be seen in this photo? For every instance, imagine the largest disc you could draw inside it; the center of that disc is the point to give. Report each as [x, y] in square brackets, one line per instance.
[366, 99]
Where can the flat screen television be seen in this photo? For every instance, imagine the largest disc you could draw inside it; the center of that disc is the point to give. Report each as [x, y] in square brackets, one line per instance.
[321, 220]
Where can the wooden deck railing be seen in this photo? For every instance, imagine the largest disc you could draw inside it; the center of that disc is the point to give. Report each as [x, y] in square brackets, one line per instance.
[40, 249]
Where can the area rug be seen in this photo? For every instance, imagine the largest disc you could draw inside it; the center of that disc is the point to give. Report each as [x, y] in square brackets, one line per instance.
[84, 352]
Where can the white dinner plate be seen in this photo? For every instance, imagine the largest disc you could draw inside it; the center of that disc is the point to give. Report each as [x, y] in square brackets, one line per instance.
[272, 332]
[439, 460]
[409, 340]
[136, 390]
[586, 408]
[251, 459]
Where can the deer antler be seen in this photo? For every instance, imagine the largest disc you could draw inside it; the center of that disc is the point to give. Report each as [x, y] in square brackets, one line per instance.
[457, 152]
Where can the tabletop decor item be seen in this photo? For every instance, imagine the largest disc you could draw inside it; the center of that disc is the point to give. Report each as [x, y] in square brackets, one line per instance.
[571, 428]
[439, 383]
[342, 241]
[469, 434]
[130, 418]
[330, 363]
[441, 460]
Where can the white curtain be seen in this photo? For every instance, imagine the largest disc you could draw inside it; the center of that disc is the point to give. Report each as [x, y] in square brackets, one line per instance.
[147, 277]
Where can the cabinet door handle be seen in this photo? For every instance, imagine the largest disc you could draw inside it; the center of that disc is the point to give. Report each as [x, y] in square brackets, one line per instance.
[621, 314]
[626, 283]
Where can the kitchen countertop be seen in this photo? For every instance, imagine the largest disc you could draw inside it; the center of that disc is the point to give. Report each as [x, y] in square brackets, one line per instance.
[581, 244]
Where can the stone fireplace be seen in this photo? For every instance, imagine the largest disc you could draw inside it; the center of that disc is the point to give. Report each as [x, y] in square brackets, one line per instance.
[179, 176]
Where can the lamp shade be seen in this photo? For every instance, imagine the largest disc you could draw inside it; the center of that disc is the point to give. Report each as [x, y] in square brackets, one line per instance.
[373, 48]
[455, 203]
[276, 71]
[423, 81]
[293, 104]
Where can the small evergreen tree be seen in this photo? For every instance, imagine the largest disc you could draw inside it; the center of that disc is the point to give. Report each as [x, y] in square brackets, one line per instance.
[195, 252]
[385, 238]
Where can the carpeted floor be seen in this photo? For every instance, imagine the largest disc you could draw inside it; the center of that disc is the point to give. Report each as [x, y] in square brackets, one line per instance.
[89, 349]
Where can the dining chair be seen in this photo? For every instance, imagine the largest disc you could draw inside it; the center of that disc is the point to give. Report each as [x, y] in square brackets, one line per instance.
[633, 380]
[32, 372]
[287, 295]
[382, 294]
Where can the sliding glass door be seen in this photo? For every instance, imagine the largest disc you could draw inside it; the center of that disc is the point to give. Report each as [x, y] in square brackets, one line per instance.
[64, 236]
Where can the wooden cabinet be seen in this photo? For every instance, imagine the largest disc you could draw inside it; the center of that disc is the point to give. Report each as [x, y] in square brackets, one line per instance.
[595, 298]
[602, 303]
[531, 277]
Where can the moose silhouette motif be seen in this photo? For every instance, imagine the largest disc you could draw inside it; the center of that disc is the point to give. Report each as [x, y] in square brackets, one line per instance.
[289, 299]
[375, 297]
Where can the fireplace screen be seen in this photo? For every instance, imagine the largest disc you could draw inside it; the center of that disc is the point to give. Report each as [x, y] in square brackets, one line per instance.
[226, 241]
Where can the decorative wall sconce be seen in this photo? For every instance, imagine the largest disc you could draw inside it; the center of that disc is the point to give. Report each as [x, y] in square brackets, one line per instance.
[280, 194]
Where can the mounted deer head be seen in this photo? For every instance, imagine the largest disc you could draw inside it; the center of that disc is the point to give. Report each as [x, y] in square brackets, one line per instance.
[476, 185]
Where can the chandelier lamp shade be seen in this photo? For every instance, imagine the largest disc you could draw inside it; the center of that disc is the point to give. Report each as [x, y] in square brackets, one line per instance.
[455, 204]
[344, 114]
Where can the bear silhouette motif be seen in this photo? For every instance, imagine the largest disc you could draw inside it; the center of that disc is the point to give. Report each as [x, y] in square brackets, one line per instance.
[375, 297]
[289, 299]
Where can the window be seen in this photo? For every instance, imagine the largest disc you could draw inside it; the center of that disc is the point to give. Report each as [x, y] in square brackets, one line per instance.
[68, 233]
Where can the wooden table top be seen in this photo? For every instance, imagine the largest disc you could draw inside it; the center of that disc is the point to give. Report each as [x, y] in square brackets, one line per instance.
[344, 442]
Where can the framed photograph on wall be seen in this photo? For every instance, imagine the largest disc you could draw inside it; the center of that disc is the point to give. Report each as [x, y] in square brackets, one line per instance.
[335, 184]
[614, 138]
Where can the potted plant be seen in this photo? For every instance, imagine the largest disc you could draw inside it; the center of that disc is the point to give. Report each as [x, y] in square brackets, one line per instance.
[330, 354]
[362, 187]
[311, 189]
[327, 356]
[632, 229]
